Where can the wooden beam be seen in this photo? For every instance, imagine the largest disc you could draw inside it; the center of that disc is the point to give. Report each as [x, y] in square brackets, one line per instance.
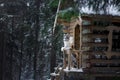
[92, 44]
[104, 61]
[106, 75]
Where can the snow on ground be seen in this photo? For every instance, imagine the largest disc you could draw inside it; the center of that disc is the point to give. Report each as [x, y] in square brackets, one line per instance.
[54, 74]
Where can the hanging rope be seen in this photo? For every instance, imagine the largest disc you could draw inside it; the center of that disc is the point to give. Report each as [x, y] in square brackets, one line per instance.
[55, 22]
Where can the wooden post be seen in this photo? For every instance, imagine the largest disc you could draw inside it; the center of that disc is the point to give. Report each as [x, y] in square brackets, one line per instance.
[55, 22]
[57, 78]
[69, 59]
[110, 40]
[80, 54]
[79, 60]
[64, 59]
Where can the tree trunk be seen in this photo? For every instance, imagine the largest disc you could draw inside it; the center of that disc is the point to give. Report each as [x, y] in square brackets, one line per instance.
[4, 56]
[3, 41]
[37, 28]
[1, 52]
[11, 51]
[53, 54]
[21, 54]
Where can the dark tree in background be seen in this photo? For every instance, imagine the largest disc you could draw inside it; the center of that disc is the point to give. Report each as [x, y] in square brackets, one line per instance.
[2, 49]
[28, 49]
[15, 55]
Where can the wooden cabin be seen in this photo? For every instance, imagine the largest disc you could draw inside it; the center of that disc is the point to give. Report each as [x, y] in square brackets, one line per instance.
[91, 48]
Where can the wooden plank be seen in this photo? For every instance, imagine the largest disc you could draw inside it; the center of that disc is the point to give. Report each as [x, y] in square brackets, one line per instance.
[101, 53]
[104, 61]
[99, 36]
[101, 28]
[91, 35]
[106, 68]
[92, 44]
[106, 75]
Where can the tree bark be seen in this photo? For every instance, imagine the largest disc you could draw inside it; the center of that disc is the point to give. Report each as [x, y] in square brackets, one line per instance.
[4, 56]
[21, 53]
[1, 52]
[11, 50]
[37, 28]
[53, 54]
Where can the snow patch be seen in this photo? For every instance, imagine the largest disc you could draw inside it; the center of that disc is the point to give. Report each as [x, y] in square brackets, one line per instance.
[73, 70]
[54, 74]
[2, 4]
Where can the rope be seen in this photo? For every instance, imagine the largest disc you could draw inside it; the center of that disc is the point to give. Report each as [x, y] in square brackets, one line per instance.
[55, 22]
